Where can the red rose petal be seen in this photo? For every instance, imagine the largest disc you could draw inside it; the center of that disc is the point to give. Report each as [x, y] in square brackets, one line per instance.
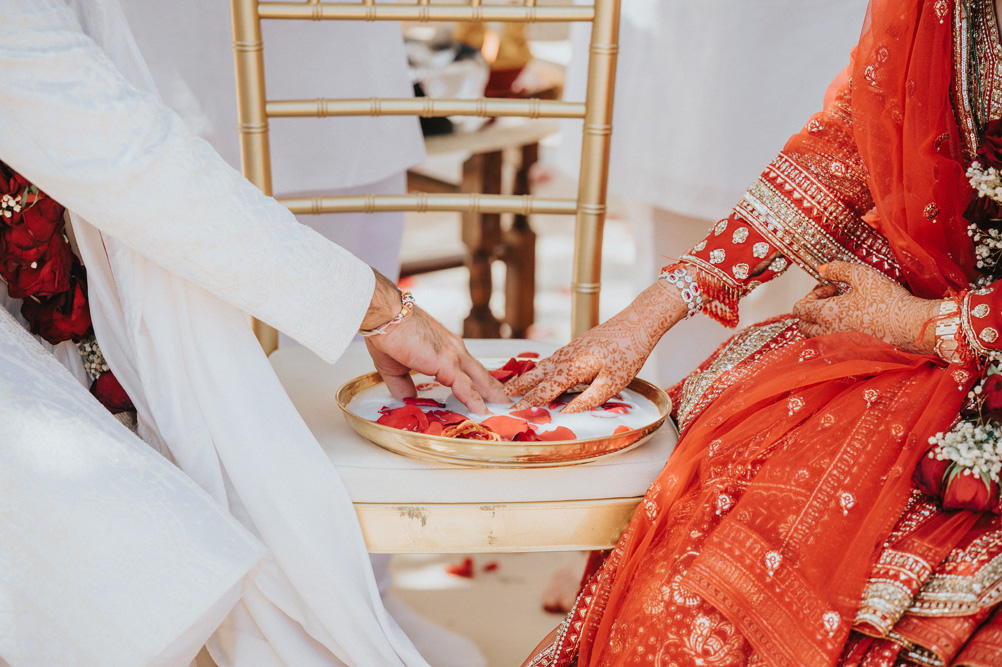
[506, 427]
[490, 567]
[502, 375]
[464, 569]
[556, 405]
[407, 418]
[524, 366]
[434, 428]
[622, 429]
[534, 415]
[528, 355]
[519, 366]
[559, 433]
[424, 402]
[527, 435]
[447, 417]
[109, 391]
[512, 368]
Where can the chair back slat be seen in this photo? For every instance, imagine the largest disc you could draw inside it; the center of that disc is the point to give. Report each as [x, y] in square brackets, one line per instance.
[424, 106]
[423, 11]
[422, 202]
[254, 110]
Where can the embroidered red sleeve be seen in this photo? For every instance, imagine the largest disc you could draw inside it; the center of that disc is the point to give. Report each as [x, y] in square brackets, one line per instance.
[807, 207]
[981, 320]
[732, 260]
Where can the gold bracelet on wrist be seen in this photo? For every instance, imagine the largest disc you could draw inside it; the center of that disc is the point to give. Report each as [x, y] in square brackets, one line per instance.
[947, 326]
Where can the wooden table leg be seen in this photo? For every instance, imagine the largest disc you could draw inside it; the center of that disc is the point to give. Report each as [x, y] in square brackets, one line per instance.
[482, 236]
[519, 256]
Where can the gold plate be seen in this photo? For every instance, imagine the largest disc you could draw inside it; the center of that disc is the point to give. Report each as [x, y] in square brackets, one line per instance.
[493, 454]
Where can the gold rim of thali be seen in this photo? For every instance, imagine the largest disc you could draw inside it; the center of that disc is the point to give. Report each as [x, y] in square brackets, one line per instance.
[495, 454]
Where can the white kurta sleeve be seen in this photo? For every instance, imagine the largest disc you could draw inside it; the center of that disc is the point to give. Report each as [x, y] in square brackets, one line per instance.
[73, 125]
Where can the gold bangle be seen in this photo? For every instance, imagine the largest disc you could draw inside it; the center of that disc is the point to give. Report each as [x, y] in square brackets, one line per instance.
[947, 325]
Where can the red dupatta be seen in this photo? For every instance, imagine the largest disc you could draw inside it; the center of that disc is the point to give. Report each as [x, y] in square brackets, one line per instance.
[906, 132]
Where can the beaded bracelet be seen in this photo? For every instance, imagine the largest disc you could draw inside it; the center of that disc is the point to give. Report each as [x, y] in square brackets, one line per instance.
[406, 310]
[678, 276]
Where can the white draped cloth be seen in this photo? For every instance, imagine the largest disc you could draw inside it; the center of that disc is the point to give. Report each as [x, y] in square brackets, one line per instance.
[177, 245]
[109, 555]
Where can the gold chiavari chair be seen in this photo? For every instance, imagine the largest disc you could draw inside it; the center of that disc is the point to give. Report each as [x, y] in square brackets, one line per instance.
[407, 505]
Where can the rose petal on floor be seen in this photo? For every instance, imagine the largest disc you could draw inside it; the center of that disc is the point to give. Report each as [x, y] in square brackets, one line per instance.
[462, 569]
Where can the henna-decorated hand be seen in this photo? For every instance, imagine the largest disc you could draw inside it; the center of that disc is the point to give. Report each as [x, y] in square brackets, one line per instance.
[870, 303]
[608, 356]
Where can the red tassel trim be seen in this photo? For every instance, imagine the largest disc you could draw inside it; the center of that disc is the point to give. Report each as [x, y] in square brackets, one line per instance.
[723, 299]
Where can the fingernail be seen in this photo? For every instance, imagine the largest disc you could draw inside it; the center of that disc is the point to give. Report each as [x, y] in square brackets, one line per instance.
[822, 267]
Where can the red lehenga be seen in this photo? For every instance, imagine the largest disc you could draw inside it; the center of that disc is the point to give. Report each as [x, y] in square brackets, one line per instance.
[786, 529]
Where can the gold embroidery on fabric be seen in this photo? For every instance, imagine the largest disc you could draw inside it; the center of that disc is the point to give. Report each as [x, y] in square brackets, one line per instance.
[702, 388]
[983, 30]
[890, 591]
[787, 205]
[715, 272]
[952, 591]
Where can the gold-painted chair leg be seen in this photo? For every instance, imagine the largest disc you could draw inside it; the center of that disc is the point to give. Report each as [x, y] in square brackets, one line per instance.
[482, 236]
[519, 256]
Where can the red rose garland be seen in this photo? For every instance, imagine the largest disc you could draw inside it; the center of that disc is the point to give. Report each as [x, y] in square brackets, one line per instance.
[40, 268]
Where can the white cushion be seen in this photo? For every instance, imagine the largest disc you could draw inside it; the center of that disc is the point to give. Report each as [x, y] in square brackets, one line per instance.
[375, 475]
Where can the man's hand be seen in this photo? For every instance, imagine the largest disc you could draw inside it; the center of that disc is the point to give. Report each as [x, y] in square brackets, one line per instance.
[422, 344]
[867, 302]
[608, 356]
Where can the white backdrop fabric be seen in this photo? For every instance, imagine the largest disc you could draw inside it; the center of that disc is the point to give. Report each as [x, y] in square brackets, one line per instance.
[708, 91]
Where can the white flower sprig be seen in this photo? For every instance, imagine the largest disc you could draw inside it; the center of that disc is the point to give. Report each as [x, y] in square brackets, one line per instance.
[974, 444]
[987, 242]
[973, 447]
[93, 361]
[987, 182]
